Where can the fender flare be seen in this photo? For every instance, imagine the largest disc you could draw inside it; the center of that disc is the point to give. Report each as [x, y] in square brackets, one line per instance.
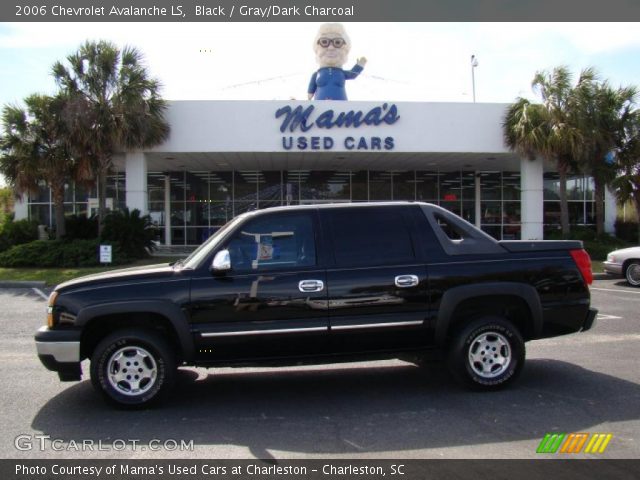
[164, 308]
[453, 297]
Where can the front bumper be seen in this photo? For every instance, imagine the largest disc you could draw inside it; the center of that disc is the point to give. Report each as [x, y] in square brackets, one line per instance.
[612, 268]
[590, 321]
[59, 351]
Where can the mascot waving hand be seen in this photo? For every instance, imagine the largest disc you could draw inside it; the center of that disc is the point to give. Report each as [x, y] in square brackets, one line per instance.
[332, 47]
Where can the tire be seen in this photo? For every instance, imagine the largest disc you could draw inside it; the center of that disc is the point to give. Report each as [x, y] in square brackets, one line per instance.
[133, 368]
[632, 273]
[487, 354]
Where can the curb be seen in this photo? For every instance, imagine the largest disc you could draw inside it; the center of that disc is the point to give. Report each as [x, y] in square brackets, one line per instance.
[603, 276]
[21, 284]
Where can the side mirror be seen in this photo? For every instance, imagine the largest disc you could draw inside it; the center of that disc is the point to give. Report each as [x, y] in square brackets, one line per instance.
[221, 262]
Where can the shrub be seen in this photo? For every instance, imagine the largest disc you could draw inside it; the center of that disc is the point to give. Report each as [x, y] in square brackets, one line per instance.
[58, 253]
[17, 232]
[134, 233]
[598, 246]
[628, 231]
[81, 227]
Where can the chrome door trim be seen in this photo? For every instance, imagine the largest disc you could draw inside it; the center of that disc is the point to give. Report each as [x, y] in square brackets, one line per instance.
[378, 325]
[262, 332]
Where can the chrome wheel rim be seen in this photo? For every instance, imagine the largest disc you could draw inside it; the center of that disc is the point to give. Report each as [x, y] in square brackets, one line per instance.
[132, 371]
[633, 274]
[489, 355]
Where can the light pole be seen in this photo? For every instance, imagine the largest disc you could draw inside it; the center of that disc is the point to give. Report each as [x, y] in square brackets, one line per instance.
[474, 64]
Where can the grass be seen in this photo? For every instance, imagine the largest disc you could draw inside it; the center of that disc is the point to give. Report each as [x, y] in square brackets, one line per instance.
[54, 276]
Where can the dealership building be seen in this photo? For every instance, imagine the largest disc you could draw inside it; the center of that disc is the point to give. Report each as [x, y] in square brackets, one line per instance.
[224, 158]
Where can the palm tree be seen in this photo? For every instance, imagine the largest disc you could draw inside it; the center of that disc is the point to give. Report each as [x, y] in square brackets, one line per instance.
[603, 113]
[627, 182]
[33, 150]
[112, 105]
[549, 129]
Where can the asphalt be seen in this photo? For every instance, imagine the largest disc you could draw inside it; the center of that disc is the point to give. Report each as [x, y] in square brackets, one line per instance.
[588, 382]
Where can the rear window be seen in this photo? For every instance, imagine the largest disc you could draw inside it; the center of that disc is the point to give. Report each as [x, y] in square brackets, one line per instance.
[370, 236]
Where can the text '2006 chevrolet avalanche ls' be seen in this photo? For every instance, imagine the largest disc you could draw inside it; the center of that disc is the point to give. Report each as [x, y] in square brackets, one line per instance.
[320, 284]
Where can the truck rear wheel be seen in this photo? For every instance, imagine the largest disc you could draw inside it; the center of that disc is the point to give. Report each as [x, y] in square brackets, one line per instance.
[487, 354]
[133, 368]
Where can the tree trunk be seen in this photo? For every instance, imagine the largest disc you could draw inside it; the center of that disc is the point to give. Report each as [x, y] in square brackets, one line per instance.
[102, 199]
[599, 198]
[564, 206]
[57, 192]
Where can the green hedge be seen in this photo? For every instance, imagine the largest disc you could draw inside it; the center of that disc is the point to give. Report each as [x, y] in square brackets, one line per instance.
[16, 232]
[598, 246]
[58, 253]
[80, 227]
[627, 231]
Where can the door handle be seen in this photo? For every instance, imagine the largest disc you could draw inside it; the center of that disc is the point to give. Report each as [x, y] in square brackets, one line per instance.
[406, 281]
[307, 286]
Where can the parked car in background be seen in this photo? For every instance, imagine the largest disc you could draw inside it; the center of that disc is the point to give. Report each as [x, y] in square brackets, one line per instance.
[625, 262]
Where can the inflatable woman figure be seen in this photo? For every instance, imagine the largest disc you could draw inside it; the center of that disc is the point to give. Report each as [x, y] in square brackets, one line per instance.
[332, 47]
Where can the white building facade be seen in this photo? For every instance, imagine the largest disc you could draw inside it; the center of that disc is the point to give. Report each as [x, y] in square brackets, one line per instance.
[227, 157]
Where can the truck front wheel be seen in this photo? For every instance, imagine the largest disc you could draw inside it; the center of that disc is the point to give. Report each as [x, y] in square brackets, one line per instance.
[133, 368]
[487, 354]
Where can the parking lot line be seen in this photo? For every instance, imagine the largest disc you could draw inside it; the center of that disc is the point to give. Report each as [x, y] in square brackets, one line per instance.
[40, 293]
[615, 290]
[602, 316]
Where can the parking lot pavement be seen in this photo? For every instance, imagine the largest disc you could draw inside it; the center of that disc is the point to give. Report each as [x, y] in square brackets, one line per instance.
[588, 382]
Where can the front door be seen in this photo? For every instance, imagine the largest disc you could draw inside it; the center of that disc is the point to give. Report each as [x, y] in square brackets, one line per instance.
[273, 301]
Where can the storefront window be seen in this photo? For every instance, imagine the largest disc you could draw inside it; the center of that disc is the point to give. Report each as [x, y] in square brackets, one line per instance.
[197, 186]
[551, 186]
[380, 186]
[427, 186]
[221, 186]
[246, 186]
[450, 188]
[511, 185]
[326, 186]
[404, 186]
[580, 200]
[202, 201]
[270, 189]
[491, 186]
[360, 186]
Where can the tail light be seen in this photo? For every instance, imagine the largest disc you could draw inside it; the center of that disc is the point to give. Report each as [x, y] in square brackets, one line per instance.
[583, 262]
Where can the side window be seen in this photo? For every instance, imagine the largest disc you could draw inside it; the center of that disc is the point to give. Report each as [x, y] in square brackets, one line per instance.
[450, 230]
[366, 236]
[273, 242]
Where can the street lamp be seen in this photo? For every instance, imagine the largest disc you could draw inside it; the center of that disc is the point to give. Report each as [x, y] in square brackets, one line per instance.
[474, 64]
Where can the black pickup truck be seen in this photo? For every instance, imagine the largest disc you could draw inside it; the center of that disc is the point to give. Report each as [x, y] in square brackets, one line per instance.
[320, 284]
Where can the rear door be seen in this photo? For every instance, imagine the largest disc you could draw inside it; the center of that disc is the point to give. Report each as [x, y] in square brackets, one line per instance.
[377, 287]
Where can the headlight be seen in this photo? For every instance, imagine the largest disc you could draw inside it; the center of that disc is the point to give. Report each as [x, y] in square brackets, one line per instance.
[50, 303]
[611, 258]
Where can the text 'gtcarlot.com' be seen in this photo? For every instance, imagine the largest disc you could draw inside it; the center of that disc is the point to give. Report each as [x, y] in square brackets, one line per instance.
[45, 442]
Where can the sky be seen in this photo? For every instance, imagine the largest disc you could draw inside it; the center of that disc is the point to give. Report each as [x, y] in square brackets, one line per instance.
[413, 62]
[274, 61]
